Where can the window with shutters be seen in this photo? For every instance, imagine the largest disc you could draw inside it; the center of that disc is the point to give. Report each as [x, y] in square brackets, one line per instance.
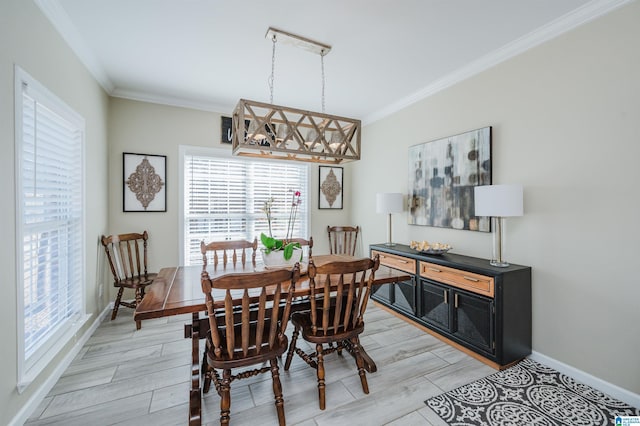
[49, 224]
[223, 197]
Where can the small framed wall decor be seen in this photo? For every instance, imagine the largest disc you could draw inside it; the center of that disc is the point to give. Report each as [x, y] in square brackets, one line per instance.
[144, 182]
[330, 187]
[226, 127]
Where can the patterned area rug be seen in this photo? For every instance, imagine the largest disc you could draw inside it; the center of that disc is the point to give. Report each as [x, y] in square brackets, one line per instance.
[528, 393]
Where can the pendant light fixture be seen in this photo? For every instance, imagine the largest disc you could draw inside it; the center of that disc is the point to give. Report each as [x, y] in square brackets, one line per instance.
[266, 130]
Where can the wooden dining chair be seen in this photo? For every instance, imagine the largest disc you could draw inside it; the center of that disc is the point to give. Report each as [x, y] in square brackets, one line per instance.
[248, 334]
[339, 292]
[124, 252]
[303, 243]
[229, 250]
[343, 239]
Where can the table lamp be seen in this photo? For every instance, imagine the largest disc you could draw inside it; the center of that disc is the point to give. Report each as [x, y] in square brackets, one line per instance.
[498, 202]
[388, 203]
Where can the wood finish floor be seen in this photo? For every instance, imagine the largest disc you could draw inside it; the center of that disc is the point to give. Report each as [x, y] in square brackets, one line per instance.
[128, 377]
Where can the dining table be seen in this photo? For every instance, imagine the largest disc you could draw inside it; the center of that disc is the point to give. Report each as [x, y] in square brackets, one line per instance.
[177, 290]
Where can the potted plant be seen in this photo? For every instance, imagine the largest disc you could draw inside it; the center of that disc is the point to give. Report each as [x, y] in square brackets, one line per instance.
[279, 252]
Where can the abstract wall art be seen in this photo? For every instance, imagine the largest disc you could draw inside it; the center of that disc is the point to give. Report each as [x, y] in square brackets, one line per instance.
[442, 175]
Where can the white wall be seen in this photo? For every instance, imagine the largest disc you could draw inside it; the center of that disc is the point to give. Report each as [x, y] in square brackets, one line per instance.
[28, 40]
[566, 125]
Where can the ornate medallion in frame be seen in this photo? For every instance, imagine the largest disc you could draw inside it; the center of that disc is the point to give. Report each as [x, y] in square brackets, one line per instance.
[330, 187]
[145, 185]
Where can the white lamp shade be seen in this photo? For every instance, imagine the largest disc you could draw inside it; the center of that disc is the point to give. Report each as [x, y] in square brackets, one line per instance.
[498, 200]
[389, 202]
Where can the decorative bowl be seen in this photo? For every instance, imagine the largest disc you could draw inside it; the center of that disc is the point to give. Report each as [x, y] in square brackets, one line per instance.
[426, 247]
[435, 251]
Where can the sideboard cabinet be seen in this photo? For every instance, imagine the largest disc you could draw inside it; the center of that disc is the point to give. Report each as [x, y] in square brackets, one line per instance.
[482, 309]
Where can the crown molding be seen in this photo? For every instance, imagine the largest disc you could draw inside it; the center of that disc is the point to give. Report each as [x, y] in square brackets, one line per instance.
[574, 19]
[584, 14]
[171, 101]
[61, 22]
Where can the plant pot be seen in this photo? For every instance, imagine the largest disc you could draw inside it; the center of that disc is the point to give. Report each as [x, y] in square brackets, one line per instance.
[275, 259]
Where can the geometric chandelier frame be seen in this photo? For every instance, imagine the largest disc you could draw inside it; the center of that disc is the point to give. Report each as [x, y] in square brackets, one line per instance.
[272, 131]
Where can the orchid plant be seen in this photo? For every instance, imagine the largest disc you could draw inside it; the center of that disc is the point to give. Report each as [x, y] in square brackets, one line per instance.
[274, 244]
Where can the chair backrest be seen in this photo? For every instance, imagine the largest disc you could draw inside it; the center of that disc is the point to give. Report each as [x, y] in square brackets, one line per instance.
[303, 243]
[221, 249]
[124, 252]
[339, 294]
[264, 314]
[343, 239]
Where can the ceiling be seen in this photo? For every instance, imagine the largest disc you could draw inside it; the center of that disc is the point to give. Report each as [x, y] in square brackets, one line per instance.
[385, 55]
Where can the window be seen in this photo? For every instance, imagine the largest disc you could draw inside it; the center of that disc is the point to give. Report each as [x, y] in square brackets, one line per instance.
[223, 198]
[50, 224]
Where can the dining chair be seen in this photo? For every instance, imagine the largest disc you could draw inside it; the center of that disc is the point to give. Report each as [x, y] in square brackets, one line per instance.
[222, 249]
[253, 334]
[339, 292]
[343, 239]
[124, 252]
[303, 243]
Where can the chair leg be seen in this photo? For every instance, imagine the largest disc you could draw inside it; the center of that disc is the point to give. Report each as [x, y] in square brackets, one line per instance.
[206, 373]
[139, 295]
[355, 343]
[116, 304]
[320, 372]
[225, 397]
[277, 391]
[138, 300]
[292, 348]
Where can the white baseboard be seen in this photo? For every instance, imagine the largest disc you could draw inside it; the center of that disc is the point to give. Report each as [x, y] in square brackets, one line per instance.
[39, 395]
[610, 389]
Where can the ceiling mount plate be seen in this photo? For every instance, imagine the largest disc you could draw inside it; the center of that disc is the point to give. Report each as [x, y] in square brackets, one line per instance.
[298, 41]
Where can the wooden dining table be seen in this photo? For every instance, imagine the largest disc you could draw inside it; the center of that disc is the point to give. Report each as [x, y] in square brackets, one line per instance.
[177, 290]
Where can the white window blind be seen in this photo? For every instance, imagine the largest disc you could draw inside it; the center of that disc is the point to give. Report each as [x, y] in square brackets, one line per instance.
[50, 255]
[224, 197]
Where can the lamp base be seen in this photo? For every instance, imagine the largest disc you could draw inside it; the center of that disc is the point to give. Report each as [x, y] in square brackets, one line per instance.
[389, 244]
[499, 232]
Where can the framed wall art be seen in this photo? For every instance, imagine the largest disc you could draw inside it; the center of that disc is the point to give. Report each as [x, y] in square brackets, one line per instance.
[227, 130]
[442, 175]
[226, 127]
[330, 187]
[145, 185]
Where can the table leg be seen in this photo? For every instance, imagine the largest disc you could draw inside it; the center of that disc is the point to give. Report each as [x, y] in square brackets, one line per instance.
[195, 397]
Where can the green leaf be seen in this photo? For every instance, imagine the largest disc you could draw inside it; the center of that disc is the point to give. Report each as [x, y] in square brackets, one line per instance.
[288, 251]
[268, 242]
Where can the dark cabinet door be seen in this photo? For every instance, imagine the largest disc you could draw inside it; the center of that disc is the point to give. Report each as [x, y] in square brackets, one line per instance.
[404, 296]
[382, 293]
[473, 320]
[434, 304]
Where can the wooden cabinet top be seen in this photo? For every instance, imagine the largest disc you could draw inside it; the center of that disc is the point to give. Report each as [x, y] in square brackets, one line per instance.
[452, 260]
